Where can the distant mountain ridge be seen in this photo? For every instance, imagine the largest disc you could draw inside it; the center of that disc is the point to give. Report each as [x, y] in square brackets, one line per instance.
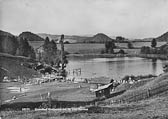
[98, 38]
[70, 38]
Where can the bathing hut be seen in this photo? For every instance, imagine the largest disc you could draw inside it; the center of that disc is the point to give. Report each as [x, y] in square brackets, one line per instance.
[104, 90]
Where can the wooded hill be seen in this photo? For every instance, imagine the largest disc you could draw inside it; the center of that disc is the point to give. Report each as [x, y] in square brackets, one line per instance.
[15, 45]
[163, 37]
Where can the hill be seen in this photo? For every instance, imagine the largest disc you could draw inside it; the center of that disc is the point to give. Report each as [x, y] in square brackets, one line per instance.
[4, 33]
[15, 45]
[30, 36]
[8, 43]
[163, 37]
[12, 66]
[69, 38]
[98, 38]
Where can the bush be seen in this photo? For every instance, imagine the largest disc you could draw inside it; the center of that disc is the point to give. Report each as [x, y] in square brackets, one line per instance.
[102, 51]
[66, 53]
[109, 46]
[153, 43]
[130, 45]
[121, 51]
[145, 50]
[66, 42]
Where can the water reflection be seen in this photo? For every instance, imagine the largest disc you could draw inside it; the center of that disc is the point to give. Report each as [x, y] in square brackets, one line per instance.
[115, 67]
[154, 65]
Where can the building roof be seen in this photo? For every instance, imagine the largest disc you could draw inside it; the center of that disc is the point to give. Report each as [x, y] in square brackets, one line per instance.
[103, 87]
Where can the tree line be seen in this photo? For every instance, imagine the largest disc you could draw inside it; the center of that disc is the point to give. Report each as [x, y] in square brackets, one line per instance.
[52, 55]
[18, 46]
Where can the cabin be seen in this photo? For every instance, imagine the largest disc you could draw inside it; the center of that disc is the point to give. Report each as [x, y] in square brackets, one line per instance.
[104, 91]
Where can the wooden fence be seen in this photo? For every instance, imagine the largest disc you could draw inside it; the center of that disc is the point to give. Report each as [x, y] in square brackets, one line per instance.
[142, 94]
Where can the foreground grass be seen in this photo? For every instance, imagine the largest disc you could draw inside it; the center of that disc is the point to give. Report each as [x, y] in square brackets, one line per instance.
[154, 108]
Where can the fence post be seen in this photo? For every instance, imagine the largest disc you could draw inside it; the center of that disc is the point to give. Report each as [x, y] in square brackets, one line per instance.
[148, 93]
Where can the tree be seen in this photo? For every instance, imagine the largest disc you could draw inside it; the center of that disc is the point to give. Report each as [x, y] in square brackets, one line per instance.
[50, 54]
[66, 42]
[109, 47]
[153, 43]
[120, 38]
[25, 49]
[145, 50]
[8, 44]
[121, 51]
[130, 45]
[46, 42]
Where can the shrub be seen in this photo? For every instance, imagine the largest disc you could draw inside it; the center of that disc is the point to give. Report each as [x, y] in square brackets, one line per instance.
[153, 43]
[145, 50]
[121, 51]
[109, 46]
[102, 51]
[130, 45]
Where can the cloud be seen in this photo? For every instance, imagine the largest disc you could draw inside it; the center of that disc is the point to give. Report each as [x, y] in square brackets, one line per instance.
[130, 18]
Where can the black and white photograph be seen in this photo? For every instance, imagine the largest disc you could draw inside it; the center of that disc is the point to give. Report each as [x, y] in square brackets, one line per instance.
[83, 59]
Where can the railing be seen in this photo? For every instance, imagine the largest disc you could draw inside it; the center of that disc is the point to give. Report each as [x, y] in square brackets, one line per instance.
[142, 94]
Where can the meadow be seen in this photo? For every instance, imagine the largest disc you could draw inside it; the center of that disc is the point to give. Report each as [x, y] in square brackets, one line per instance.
[85, 48]
[152, 107]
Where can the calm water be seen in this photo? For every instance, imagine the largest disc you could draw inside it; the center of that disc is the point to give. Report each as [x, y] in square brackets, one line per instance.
[115, 67]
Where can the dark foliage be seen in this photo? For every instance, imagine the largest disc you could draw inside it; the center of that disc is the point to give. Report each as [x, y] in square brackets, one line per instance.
[161, 50]
[102, 52]
[130, 45]
[66, 42]
[50, 54]
[153, 43]
[145, 50]
[109, 47]
[119, 38]
[121, 51]
[8, 43]
[24, 49]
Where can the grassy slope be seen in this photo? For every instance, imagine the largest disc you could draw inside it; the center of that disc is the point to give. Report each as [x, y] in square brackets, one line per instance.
[13, 66]
[142, 90]
[156, 108]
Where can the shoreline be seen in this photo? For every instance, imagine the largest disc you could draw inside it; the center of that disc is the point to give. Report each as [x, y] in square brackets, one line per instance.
[149, 56]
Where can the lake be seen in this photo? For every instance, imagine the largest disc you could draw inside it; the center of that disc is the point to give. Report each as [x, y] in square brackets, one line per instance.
[115, 68]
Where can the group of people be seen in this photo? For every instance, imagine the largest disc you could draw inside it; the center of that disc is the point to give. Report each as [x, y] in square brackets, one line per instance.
[115, 83]
[126, 79]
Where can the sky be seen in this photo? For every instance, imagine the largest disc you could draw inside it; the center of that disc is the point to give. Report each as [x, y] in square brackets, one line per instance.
[128, 18]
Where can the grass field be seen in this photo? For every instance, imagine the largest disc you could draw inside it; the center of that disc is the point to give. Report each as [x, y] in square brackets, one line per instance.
[59, 91]
[95, 48]
[152, 107]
